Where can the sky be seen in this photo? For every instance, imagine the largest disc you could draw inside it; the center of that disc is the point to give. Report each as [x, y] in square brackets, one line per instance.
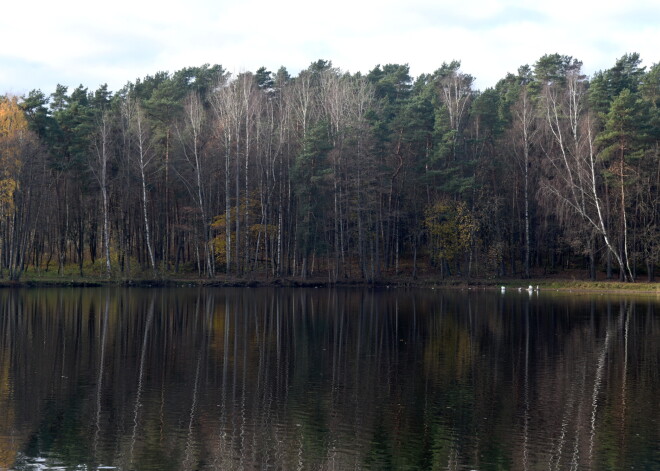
[73, 42]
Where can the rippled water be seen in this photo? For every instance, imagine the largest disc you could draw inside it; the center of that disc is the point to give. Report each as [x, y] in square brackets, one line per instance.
[188, 379]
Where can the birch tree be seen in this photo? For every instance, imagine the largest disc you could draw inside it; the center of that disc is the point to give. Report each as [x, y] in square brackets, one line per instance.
[522, 133]
[222, 103]
[101, 144]
[192, 138]
[574, 171]
[454, 94]
[140, 129]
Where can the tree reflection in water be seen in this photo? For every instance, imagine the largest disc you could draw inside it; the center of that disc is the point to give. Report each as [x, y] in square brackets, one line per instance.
[326, 379]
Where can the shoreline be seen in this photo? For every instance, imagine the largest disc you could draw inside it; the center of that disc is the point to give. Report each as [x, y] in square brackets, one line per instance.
[511, 284]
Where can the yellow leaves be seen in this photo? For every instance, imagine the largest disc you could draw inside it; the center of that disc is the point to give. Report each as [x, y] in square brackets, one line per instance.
[12, 118]
[13, 130]
[269, 229]
[13, 124]
[7, 190]
[219, 222]
[219, 244]
[256, 232]
[248, 211]
[450, 226]
[250, 205]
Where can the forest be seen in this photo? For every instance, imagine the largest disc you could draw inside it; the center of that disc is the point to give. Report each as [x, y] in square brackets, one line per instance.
[335, 175]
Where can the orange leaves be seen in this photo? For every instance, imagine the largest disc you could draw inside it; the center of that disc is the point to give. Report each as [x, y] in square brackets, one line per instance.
[13, 132]
[13, 124]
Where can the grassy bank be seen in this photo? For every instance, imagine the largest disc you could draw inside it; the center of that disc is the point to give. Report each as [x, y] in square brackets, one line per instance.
[568, 282]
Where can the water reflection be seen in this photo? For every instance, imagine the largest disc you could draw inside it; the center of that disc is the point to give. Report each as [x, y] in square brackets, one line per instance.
[326, 379]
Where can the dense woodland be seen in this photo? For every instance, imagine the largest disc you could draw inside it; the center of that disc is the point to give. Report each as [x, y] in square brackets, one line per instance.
[344, 176]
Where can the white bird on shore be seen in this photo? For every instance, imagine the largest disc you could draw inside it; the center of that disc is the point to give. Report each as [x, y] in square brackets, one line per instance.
[503, 289]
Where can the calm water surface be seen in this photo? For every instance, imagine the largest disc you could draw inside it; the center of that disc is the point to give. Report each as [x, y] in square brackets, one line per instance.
[200, 379]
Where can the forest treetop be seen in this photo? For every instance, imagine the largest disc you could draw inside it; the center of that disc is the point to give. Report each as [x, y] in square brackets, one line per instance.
[338, 175]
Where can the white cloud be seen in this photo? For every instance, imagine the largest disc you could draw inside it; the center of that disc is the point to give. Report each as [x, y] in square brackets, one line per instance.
[70, 42]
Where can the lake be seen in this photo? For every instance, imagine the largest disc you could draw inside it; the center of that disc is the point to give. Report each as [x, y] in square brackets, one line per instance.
[327, 379]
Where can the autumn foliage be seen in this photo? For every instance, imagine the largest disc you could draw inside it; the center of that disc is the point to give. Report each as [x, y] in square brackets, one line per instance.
[13, 130]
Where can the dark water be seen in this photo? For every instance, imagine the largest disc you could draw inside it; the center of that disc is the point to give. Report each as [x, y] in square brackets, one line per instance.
[246, 379]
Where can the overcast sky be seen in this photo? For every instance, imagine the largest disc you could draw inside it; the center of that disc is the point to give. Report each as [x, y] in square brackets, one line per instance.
[72, 42]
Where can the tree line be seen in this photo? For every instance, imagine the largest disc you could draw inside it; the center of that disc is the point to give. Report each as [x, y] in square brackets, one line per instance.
[345, 176]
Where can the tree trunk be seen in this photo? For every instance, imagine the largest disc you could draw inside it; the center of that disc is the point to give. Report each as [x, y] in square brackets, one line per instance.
[142, 163]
